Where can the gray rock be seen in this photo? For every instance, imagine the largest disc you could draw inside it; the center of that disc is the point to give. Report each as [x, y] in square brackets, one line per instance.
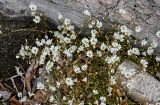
[144, 87]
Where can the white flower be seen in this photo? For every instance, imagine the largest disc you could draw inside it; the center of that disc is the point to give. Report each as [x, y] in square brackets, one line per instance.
[134, 51]
[130, 86]
[82, 103]
[46, 50]
[93, 22]
[51, 98]
[85, 41]
[129, 52]
[73, 36]
[158, 33]
[70, 27]
[67, 40]
[144, 42]
[144, 63]
[33, 7]
[67, 52]
[38, 42]
[103, 99]
[112, 59]
[99, 53]
[70, 102]
[113, 80]
[73, 48]
[102, 103]
[112, 70]
[90, 25]
[55, 58]
[17, 56]
[49, 66]
[60, 27]
[69, 81]
[116, 45]
[55, 49]
[138, 29]
[110, 91]
[40, 85]
[67, 21]
[95, 92]
[34, 50]
[33, 13]
[31, 94]
[58, 84]
[22, 51]
[93, 33]
[122, 11]
[89, 54]
[18, 71]
[99, 24]
[27, 47]
[19, 94]
[37, 19]
[49, 42]
[144, 53]
[64, 98]
[23, 99]
[96, 102]
[84, 67]
[42, 58]
[103, 46]
[57, 34]
[128, 32]
[93, 41]
[60, 16]
[154, 44]
[125, 30]
[80, 48]
[157, 58]
[76, 69]
[150, 51]
[121, 37]
[52, 88]
[84, 79]
[128, 73]
[86, 12]
[75, 80]
[118, 36]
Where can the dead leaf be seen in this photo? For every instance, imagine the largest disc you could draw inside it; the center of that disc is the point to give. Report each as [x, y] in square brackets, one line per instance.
[120, 93]
[65, 89]
[29, 75]
[14, 101]
[40, 95]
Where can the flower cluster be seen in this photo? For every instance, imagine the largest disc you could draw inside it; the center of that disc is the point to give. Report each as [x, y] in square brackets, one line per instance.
[82, 67]
[33, 9]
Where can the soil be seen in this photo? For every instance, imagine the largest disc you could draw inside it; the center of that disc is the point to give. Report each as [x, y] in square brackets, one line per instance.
[15, 34]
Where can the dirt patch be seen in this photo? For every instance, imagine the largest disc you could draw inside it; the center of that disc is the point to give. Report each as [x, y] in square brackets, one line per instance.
[15, 35]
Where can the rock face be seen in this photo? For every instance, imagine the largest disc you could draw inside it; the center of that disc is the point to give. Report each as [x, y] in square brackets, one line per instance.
[145, 13]
[141, 86]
